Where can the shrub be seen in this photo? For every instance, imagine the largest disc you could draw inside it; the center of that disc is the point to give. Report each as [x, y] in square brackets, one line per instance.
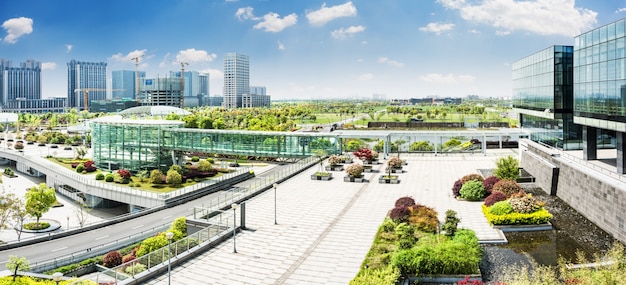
[112, 259]
[394, 162]
[204, 165]
[80, 168]
[8, 172]
[384, 276]
[135, 268]
[501, 208]
[540, 216]
[173, 177]
[405, 237]
[400, 214]
[210, 160]
[456, 188]
[451, 143]
[99, 176]
[354, 170]
[151, 244]
[334, 160]
[495, 197]
[489, 182]
[508, 187]
[507, 168]
[451, 223]
[89, 166]
[472, 190]
[109, 177]
[365, 154]
[156, 176]
[526, 204]
[128, 258]
[125, 174]
[471, 177]
[195, 159]
[421, 146]
[176, 168]
[405, 202]
[180, 224]
[19, 145]
[423, 218]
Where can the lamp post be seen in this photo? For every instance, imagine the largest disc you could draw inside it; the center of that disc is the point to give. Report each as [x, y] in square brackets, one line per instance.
[234, 207]
[68, 222]
[275, 186]
[169, 236]
[57, 276]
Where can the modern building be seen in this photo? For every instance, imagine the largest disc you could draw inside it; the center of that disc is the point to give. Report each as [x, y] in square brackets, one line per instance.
[214, 101]
[543, 97]
[600, 89]
[112, 106]
[85, 78]
[258, 90]
[196, 87]
[38, 106]
[123, 83]
[3, 65]
[23, 82]
[160, 92]
[236, 79]
[254, 100]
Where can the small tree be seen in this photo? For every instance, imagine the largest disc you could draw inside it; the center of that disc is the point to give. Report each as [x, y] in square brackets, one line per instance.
[320, 154]
[82, 213]
[18, 216]
[39, 200]
[173, 177]
[156, 176]
[143, 175]
[80, 152]
[16, 264]
[6, 205]
[507, 168]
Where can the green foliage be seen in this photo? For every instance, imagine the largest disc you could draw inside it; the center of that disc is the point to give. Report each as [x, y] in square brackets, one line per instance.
[204, 165]
[156, 176]
[173, 177]
[405, 236]
[109, 177]
[423, 218]
[385, 276]
[176, 168]
[451, 223]
[80, 168]
[501, 208]
[472, 190]
[9, 172]
[451, 143]
[353, 145]
[180, 224]
[540, 216]
[421, 146]
[135, 268]
[507, 168]
[100, 176]
[16, 264]
[151, 244]
[195, 159]
[525, 204]
[36, 226]
[39, 200]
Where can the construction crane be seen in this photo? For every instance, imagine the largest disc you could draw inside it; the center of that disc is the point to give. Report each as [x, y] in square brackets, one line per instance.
[182, 75]
[136, 59]
[86, 94]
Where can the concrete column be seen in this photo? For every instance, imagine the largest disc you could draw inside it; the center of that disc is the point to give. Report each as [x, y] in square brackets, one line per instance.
[620, 142]
[590, 143]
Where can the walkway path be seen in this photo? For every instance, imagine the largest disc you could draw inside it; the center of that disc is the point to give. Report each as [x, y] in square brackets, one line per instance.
[325, 228]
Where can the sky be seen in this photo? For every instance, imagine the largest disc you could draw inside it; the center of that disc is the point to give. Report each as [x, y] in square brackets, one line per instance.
[303, 49]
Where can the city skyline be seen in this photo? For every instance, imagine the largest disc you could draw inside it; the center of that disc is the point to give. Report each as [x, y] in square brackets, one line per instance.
[303, 49]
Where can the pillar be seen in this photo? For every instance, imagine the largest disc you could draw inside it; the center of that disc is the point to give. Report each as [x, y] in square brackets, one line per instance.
[590, 143]
[620, 144]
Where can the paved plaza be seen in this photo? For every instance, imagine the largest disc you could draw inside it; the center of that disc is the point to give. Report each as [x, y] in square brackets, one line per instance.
[325, 228]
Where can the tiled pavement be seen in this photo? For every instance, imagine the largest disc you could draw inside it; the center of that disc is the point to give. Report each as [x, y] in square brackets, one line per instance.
[325, 228]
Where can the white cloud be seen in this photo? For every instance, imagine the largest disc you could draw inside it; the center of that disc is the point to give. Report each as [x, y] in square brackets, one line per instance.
[48, 65]
[68, 48]
[327, 14]
[193, 55]
[360, 60]
[620, 10]
[347, 32]
[474, 31]
[388, 61]
[503, 33]
[215, 74]
[281, 46]
[16, 28]
[273, 23]
[543, 17]
[366, 77]
[128, 57]
[447, 79]
[245, 13]
[437, 28]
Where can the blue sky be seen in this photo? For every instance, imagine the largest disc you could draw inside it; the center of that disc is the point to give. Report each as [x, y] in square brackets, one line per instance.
[303, 49]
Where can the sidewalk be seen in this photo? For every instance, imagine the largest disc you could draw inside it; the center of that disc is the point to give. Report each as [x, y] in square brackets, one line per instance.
[325, 228]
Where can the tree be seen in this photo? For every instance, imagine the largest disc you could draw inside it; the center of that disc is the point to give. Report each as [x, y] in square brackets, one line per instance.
[39, 200]
[156, 176]
[82, 213]
[16, 264]
[80, 152]
[6, 205]
[18, 216]
[173, 177]
[507, 168]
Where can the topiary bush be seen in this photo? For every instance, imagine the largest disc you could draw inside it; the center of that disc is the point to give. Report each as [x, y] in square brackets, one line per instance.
[405, 202]
[508, 187]
[471, 177]
[195, 159]
[526, 204]
[109, 177]
[495, 197]
[354, 170]
[456, 188]
[451, 223]
[400, 214]
[501, 208]
[99, 176]
[180, 224]
[80, 168]
[204, 165]
[423, 218]
[334, 160]
[507, 168]
[112, 259]
[472, 190]
[405, 236]
[489, 182]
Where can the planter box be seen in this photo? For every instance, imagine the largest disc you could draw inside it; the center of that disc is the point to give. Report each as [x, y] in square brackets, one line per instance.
[368, 168]
[317, 177]
[347, 161]
[396, 170]
[334, 168]
[349, 178]
[444, 279]
[388, 181]
[67, 148]
[372, 162]
[524, 228]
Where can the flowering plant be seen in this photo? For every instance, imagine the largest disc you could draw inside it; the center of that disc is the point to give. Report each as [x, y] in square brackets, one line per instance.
[394, 162]
[334, 160]
[354, 169]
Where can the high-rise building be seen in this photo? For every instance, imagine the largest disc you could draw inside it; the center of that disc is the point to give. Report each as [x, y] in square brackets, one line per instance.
[89, 77]
[257, 90]
[160, 92]
[196, 87]
[123, 83]
[599, 89]
[22, 82]
[236, 79]
[543, 97]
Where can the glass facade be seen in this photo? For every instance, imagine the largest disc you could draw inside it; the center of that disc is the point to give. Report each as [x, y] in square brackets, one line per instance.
[85, 76]
[600, 74]
[236, 79]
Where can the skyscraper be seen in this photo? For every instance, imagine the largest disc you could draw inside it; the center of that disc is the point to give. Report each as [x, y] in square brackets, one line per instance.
[3, 65]
[85, 76]
[236, 79]
[123, 83]
[22, 82]
[196, 87]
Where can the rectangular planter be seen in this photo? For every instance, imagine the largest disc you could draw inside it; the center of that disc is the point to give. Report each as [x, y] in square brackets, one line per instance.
[315, 177]
[334, 168]
[388, 181]
[524, 228]
[395, 170]
[353, 179]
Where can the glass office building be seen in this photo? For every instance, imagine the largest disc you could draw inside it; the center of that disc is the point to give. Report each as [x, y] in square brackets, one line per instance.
[600, 89]
[543, 96]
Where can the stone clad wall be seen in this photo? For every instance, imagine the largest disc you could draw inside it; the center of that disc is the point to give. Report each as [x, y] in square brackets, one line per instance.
[598, 197]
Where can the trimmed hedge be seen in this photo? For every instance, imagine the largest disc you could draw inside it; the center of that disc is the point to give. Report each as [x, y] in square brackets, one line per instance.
[541, 216]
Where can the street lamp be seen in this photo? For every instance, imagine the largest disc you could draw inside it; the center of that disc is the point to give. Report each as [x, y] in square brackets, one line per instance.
[68, 222]
[57, 276]
[234, 207]
[169, 236]
[275, 186]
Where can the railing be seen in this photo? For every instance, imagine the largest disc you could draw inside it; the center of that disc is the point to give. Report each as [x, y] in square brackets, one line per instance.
[224, 200]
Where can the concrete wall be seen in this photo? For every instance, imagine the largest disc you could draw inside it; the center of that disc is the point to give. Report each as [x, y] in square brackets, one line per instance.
[597, 196]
